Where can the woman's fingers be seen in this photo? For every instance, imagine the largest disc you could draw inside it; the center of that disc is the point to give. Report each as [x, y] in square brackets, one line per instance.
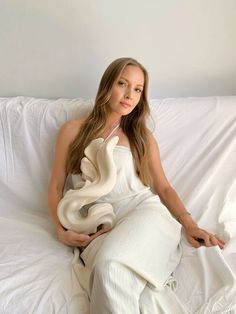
[202, 237]
[207, 240]
[86, 239]
[214, 240]
[218, 241]
[198, 237]
[76, 239]
[82, 237]
[72, 238]
[98, 233]
[193, 242]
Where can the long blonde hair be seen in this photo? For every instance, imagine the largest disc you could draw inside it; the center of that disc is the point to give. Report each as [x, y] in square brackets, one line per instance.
[133, 124]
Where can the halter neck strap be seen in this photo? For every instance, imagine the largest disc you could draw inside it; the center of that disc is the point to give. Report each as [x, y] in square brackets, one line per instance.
[112, 131]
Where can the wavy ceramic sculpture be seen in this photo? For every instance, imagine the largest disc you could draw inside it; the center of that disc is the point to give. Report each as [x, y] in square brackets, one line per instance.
[77, 210]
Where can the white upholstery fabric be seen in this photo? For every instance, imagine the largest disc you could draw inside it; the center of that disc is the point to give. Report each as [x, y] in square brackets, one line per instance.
[197, 138]
[198, 148]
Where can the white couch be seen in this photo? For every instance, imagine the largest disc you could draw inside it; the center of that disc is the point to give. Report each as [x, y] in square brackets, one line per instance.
[197, 139]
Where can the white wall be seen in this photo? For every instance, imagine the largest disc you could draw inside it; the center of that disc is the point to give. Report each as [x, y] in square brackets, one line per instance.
[60, 48]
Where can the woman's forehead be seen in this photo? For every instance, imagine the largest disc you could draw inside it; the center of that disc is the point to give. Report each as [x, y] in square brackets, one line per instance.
[134, 74]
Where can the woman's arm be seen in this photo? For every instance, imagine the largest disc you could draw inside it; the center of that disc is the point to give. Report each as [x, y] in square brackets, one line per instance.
[58, 176]
[172, 201]
[57, 182]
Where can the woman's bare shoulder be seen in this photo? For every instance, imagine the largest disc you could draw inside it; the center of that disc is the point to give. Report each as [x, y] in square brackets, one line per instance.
[75, 123]
[150, 136]
[71, 128]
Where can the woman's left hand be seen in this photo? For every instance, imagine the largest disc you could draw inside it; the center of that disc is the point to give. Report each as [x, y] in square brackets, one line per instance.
[197, 237]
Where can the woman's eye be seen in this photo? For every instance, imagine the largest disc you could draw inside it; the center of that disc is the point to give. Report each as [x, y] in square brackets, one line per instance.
[138, 90]
[122, 83]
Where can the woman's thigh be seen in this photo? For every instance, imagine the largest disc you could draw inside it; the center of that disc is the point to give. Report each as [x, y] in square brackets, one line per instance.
[145, 239]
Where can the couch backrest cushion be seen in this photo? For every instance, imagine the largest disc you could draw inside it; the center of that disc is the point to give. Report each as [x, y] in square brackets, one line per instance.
[197, 139]
[28, 132]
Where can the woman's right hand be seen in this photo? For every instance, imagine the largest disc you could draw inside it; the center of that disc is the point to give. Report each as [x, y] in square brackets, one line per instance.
[76, 239]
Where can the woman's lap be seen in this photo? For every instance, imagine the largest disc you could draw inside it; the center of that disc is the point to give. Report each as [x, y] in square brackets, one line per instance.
[145, 239]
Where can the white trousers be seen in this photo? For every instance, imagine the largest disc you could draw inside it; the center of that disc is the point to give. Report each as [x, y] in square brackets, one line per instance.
[129, 267]
[115, 289]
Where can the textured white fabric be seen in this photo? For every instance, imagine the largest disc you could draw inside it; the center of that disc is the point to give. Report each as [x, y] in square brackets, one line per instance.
[126, 185]
[115, 289]
[159, 302]
[125, 292]
[141, 220]
[143, 246]
[144, 240]
[36, 275]
[145, 236]
[198, 148]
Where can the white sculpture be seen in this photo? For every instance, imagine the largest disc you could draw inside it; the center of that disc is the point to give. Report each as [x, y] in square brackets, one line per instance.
[77, 210]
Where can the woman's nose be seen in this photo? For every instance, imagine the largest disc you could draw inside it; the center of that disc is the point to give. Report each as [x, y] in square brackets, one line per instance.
[128, 94]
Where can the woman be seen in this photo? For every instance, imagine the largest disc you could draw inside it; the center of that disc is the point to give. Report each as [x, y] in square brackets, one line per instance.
[141, 251]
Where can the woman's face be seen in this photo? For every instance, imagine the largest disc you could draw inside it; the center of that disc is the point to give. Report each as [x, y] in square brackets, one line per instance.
[127, 90]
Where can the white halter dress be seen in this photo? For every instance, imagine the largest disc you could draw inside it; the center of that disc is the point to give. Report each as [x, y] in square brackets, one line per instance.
[145, 236]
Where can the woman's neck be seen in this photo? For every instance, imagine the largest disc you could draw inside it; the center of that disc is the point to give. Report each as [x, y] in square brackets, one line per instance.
[111, 126]
[112, 121]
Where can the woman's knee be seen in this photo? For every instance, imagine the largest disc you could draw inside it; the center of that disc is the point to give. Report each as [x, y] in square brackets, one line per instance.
[112, 272]
[106, 269]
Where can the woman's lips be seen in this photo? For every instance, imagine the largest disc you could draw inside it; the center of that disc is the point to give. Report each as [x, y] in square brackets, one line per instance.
[125, 104]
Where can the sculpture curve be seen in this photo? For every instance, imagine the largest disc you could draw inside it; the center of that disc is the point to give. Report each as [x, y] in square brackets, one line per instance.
[99, 177]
